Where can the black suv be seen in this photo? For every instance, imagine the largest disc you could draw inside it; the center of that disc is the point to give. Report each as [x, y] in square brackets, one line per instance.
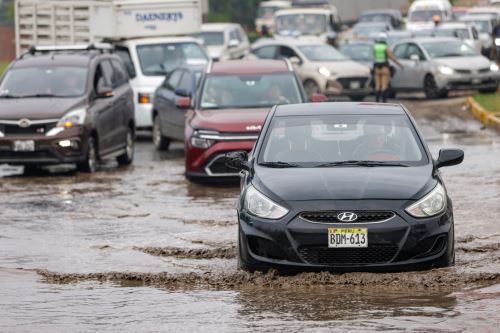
[66, 105]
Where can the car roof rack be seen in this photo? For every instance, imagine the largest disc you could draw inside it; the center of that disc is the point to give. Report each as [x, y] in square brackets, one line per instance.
[101, 47]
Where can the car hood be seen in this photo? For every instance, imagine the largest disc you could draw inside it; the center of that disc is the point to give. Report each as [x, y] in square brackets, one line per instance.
[474, 63]
[346, 68]
[345, 183]
[38, 108]
[230, 120]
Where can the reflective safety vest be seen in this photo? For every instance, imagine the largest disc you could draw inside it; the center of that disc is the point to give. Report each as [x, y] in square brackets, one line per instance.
[380, 52]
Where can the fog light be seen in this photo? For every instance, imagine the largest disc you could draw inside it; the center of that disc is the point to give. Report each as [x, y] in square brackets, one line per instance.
[65, 143]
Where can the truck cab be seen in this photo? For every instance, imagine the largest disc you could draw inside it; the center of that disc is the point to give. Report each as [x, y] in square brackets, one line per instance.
[266, 12]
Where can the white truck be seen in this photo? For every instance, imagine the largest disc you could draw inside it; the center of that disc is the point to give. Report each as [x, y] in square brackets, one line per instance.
[147, 35]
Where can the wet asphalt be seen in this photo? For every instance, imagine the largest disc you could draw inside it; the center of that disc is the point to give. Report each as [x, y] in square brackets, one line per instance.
[141, 249]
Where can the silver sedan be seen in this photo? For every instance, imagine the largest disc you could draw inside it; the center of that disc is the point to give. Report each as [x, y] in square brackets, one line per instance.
[439, 65]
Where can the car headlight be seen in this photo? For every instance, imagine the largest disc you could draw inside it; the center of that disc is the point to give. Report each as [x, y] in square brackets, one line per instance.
[203, 139]
[324, 71]
[260, 205]
[430, 205]
[69, 120]
[497, 41]
[494, 67]
[445, 70]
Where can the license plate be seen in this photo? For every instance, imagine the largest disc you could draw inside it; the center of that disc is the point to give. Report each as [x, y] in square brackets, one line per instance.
[355, 85]
[28, 145]
[476, 81]
[347, 237]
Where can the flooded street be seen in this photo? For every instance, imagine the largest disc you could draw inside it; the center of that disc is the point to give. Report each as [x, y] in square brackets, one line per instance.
[141, 248]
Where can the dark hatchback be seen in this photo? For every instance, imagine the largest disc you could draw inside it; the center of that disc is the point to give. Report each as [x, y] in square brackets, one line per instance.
[343, 187]
[62, 105]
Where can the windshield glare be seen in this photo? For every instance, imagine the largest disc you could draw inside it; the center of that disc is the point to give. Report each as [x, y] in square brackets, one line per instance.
[482, 26]
[212, 38]
[249, 91]
[424, 15]
[448, 49]
[321, 53]
[57, 81]
[160, 59]
[314, 140]
[305, 24]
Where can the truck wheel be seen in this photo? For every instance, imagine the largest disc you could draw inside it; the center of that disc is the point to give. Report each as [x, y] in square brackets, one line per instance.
[90, 163]
[159, 140]
[128, 157]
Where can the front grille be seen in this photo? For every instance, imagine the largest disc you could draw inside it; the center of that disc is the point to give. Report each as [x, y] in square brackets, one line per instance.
[39, 129]
[463, 71]
[217, 167]
[484, 70]
[373, 254]
[332, 217]
[346, 81]
[25, 155]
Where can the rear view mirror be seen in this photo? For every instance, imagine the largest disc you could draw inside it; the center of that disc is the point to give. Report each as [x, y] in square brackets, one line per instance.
[237, 160]
[295, 61]
[183, 103]
[233, 43]
[415, 57]
[318, 98]
[182, 92]
[104, 92]
[449, 157]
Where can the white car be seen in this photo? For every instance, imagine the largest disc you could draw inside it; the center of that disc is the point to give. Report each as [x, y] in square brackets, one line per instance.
[461, 30]
[266, 12]
[320, 66]
[224, 41]
[484, 24]
[148, 61]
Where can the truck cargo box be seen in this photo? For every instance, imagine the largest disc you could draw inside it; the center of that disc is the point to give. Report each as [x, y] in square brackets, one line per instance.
[61, 22]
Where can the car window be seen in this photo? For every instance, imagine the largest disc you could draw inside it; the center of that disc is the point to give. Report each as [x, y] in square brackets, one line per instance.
[173, 79]
[211, 38]
[454, 48]
[475, 34]
[120, 74]
[308, 140]
[321, 53]
[266, 52]
[287, 52]
[400, 51]
[413, 49]
[185, 82]
[233, 35]
[108, 73]
[124, 55]
[360, 52]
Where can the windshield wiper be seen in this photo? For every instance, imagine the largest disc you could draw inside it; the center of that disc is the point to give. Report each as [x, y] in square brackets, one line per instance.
[279, 165]
[362, 163]
[9, 96]
[39, 95]
[451, 55]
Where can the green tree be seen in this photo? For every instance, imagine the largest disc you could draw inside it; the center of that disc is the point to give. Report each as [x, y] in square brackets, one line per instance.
[241, 11]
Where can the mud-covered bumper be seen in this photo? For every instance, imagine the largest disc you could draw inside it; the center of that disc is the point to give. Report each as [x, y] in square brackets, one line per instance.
[487, 80]
[399, 243]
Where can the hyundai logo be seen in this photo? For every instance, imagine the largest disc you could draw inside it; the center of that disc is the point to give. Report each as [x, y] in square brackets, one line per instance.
[347, 217]
[24, 123]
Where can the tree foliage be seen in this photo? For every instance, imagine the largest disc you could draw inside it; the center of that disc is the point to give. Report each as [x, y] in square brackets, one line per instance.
[241, 11]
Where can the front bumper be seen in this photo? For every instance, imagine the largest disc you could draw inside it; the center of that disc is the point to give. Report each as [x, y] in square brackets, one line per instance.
[486, 80]
[47, 149]
[401, 242]
[348, 86]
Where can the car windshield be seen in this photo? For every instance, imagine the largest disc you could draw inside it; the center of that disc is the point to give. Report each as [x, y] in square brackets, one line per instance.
[424, 15]
[249, 91]
[367, 30]
[360, 52]
[266, 12]
[459, 33]
[378, 17]
[321, 52]
[438, 49]
[330, 140]
[304, 24]
[490, 14]
[482, 25]
[211, 38]
[49, 81]
[160, 59]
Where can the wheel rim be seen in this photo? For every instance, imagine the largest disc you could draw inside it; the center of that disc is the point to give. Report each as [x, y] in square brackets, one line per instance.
[430, 87]
[156, 132]
[311, 88]
[130, 145]
[92, 156]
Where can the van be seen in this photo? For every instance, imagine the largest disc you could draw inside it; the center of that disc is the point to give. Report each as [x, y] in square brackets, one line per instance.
[421, 13]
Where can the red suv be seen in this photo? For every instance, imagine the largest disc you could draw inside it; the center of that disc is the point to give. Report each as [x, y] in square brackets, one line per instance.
[232, 103]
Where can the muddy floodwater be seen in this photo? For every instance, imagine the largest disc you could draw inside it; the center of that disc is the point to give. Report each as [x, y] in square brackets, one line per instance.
[141, 250]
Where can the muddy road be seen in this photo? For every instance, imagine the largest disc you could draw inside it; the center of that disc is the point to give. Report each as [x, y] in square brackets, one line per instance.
[141, 249]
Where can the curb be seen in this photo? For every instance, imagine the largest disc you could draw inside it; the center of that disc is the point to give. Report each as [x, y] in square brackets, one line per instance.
[486, 117]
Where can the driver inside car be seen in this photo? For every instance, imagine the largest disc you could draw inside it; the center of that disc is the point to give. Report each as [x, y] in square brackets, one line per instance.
[298, 145]
[376, 146]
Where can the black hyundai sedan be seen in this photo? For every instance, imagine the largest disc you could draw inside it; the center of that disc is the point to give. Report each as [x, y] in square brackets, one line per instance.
[343, 187]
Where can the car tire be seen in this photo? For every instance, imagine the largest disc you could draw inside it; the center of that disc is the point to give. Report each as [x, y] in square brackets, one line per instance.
[357, 98]
[159, 140]
[90, 163]
[128, 156]
[311, 87]
[488, 91]
[430, 88]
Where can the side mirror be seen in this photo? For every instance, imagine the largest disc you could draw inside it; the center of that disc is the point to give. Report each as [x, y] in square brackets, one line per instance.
[182, 92]
[237, 160]
[449, 157]
[318, 98]
[183, 103]
[233, 43]
[104, 92]
[415, 57]
[295, 61]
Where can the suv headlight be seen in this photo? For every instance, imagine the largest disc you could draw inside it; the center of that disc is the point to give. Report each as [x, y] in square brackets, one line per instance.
[493, 67]
[260, 205]
[430, 205]
[325, 71]
[446, 70]
[69, 120]
[203, 139]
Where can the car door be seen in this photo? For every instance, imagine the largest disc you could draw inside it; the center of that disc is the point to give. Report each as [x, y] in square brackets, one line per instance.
[166, 103]
[177, 121]
[266, 52]
[414, 70]
[400, 80]
[125, 101]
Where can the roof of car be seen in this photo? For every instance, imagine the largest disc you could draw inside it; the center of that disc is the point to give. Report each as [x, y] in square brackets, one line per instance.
[453, 25]
[332, 108]
[61, 59]
[246, 67]
[293, 11]
[380, 11]
[288, 41]
[217, 26]
[159, 40]
[430, 40]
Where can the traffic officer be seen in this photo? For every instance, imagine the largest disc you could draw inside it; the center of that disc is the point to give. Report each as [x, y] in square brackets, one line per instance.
[382, 68]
